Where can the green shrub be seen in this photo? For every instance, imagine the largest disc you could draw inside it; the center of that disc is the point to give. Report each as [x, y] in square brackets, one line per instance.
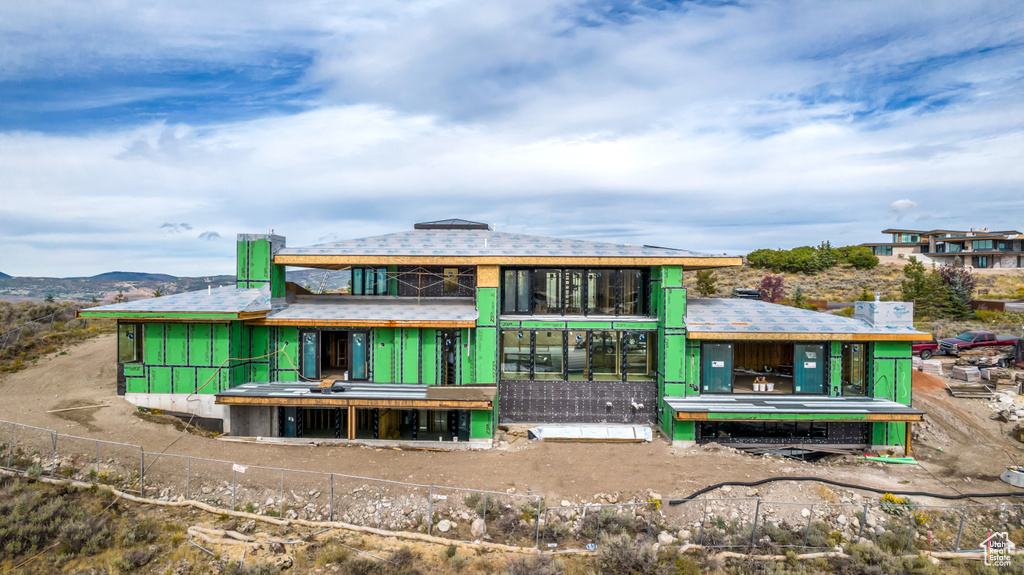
[623, 555]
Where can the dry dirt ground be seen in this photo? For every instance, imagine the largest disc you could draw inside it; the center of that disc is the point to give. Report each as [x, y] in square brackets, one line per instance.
[960, 447]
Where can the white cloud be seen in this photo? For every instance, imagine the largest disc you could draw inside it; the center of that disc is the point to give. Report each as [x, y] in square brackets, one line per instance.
[901, 208]
[719, 129]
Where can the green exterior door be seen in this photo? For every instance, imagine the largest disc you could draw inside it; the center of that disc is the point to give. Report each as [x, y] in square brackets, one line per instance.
[808, 368]
[716, 372]
[358, 367]
[310, 355]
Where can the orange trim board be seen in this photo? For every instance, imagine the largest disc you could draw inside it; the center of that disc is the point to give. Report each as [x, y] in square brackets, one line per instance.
[761, 336]
[333, 400]
[868, 418]
[358, 323]
[332, 260]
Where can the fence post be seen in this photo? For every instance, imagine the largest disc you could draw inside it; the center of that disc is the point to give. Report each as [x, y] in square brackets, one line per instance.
[430, 511]
[53, 464]
[539, 538]
[142, 472]
[807, 531]
[703, 520]
[597, 533]
[536, 536]
[863, 520]
[234, 488]
[97, 461]
[378, 504]
[753, 531]
[10, 448]
[485, 512]
[330, 516]
[188, 476]
[650, 519]
[282, 494]
[960, 531]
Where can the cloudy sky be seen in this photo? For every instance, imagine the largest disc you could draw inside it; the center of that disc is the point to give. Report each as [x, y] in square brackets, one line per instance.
[143, 136]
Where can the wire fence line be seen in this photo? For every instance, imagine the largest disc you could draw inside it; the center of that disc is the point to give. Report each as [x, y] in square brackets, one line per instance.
[896, 524]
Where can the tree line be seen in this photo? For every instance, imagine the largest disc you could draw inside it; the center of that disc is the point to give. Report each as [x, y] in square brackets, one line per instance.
[811, 260]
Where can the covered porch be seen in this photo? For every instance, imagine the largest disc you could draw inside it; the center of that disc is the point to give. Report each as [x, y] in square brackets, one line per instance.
[361, 411]
[756, 419]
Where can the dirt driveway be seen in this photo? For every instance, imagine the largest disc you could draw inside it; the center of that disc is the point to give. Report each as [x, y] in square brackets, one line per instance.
[970, 459]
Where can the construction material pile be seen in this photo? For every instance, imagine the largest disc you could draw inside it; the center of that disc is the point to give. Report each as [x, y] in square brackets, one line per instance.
[1006, 408]
[931, 367]
[998, 376]
[969, 374]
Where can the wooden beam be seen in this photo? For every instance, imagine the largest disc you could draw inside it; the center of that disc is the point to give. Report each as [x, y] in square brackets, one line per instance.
[867, 418]
[906, 448]
[330, 400]
[351, 422]
[360, 323]
[323, 260]
[488, 276]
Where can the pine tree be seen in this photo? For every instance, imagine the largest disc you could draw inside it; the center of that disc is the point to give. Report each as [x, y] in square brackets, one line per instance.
[706, 280]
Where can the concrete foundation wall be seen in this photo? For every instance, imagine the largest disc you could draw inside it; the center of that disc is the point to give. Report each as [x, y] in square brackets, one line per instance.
[251, 421]
[200, 405]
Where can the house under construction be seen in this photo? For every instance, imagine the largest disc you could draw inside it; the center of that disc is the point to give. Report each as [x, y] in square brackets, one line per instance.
[450, 329]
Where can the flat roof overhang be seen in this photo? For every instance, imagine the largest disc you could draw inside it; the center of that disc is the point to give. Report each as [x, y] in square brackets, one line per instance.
[373, 311]
[800, 336]
[171, 316]
[761, 407]
[362, 395]
[341, 261]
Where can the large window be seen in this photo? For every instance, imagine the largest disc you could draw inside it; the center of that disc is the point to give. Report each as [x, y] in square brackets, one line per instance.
[579, 355]
[516, 292]
[981, 244]
[882, 250]
[129, 342]
[369, 281]
[547, 292]
[855, 369]
[515, 354]
[981, 262]
[547, 357]
[556, 291]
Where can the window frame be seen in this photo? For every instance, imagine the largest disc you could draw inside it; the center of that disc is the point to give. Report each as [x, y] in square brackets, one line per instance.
[645, 289]
[135, 337]
[620, 359]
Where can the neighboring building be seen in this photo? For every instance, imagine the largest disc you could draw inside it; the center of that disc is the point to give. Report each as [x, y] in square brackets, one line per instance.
[451, 329]
[980, 249]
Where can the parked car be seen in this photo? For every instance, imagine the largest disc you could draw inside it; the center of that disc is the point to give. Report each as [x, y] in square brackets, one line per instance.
[975, 339]
[926, 349]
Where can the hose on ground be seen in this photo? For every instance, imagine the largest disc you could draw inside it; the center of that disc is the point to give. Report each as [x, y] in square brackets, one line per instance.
[840, 484]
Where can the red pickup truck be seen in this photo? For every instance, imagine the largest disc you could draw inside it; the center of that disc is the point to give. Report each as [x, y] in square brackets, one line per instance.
[974, 339]
[926, 349]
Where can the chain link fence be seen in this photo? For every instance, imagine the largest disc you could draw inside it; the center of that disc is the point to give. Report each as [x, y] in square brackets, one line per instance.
[893, 523]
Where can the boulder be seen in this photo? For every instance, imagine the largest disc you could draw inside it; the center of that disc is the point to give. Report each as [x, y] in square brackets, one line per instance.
[444, 526]
[478, 528]
[665, 538]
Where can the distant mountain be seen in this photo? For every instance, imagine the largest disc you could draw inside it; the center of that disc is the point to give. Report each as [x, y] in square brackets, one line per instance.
[129, 277]
[3, 275]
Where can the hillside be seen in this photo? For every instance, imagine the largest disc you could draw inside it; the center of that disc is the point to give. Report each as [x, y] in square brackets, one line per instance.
[137, 285]
[3, 275]
[129, 277]
[844, 282]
